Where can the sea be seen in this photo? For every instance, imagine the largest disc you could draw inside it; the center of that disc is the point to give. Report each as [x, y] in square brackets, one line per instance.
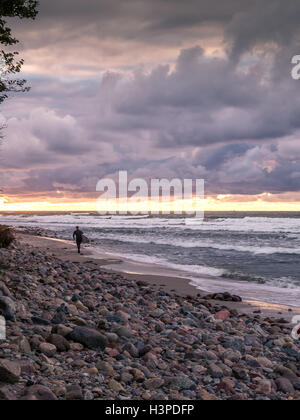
[255, 255]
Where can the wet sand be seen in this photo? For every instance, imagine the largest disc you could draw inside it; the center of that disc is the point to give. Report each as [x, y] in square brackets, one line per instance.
[166, 278]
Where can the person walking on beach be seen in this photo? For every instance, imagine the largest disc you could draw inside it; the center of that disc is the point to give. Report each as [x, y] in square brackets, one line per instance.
[78, 236]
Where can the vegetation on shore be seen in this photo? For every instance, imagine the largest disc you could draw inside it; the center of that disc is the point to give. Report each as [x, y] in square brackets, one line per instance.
[9, 64]
[6, 236]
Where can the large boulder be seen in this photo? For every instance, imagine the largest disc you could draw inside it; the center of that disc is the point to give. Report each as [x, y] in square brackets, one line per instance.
[61, 330]
[89, 338]
[74, 392]
[60, 315]
[285, 385]
[6, 394]
[9, 371]
[38, 393]
[59, 342]
[7, 308]
[4, 290]
[48, 349]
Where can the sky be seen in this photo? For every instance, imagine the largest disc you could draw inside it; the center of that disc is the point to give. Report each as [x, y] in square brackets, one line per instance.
[161, 89]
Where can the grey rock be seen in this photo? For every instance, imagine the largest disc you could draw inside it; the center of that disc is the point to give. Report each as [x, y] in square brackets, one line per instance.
[123, 332]
[38, 393]
[74, 392]
[285, 385]
[215, 371]
[7, 308]
[59, 342]
[9, 371]
[181, 382]
[89, 338]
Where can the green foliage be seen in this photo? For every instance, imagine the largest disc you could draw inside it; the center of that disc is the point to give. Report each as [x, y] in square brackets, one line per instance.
[6, 236]
[22, 9]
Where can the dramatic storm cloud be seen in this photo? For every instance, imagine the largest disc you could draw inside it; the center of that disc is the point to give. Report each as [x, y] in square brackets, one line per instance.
[198, 89]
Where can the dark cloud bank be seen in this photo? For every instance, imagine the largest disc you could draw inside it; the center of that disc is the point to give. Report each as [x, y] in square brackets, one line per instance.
[231, 117]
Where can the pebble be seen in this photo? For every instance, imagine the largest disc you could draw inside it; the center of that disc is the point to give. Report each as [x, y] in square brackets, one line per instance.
[115, 386]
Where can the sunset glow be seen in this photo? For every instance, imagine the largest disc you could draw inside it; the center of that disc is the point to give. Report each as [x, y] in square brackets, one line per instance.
[220, 203]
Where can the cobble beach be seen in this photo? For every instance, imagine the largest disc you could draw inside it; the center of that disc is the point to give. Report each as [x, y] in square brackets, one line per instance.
[76, 330]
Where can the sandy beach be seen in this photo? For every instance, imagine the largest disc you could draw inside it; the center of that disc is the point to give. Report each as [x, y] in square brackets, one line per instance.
[158, 276]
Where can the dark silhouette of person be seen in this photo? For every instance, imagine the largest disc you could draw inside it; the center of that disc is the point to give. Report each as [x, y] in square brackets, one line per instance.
[78, 236]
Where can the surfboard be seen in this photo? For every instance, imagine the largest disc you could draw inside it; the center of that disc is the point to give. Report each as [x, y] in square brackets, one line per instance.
[85, 240]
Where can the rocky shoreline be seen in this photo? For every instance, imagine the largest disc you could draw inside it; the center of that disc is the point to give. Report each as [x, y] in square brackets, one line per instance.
[77, 331]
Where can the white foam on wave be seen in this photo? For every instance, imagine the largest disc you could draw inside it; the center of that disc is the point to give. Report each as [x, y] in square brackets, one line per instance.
[281, 291]
[196, 243]
[246, 224]
[284, 283]
[249, 224]
[211, 280]
[191, 269]
[251, 291]
[84, 220]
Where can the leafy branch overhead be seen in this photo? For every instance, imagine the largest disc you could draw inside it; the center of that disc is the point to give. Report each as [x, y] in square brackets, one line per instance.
[23, 9]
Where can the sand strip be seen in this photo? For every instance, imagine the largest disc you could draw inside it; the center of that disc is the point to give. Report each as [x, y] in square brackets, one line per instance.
[165, 278]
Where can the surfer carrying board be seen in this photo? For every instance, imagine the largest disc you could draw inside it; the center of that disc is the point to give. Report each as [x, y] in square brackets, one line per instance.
[78, 236]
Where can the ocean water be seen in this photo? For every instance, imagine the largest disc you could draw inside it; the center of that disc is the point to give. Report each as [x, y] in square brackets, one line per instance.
[251, 253]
